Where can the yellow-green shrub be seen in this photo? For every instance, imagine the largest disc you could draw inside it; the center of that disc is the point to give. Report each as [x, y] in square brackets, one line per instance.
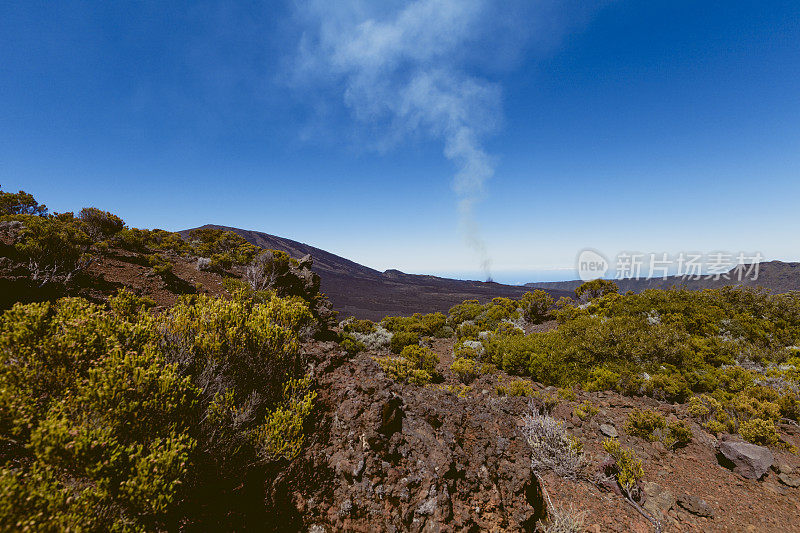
[467, 369]
[401, 369]
[416, 364]
[515, 387]
[585, 410]
[627, 467]
[759, 431]
[116, 419]
[536, 306]
[644, 423]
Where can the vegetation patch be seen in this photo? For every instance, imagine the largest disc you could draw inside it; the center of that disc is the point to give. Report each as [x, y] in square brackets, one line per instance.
[116, 419]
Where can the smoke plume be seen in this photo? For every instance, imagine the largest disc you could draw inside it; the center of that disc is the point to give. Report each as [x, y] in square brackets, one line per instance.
[408, 67]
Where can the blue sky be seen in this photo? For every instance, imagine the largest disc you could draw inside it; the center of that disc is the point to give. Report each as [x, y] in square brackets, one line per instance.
[429, 136]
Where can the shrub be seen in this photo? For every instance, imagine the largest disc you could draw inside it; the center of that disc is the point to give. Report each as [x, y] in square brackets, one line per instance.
[401, 369]
[536, 306]
[467, 331]
[98, 421]
[20, 203]
[585, 410]
[759, 431]
[552, 447]
[282, 436]
[601, 379]
[548, 399]
[55, 248]
[466, 369]
[421, 357]
[354, 325]
[711, 414]
[460, 390]
[430, 325]
[379, 339]
[678, 435]
[596, 288]
[223, 248]
[416, 364]
[483, 317]
[627, 468]
[470, 349]
[652, 426]
[160, 265]
[515, 387]
[268, 269]
[401, 339]
[565, 520]
[351, 345]
[645, 423]
[566, 394]
[100, 225]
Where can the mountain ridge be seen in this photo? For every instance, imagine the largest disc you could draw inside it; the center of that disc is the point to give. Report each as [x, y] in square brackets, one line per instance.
[776, 276]
[363, 292]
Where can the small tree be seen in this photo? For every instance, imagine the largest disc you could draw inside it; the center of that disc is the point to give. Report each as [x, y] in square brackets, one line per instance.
[596, 288]
[536, 306]
[100, 225]
[20, 203]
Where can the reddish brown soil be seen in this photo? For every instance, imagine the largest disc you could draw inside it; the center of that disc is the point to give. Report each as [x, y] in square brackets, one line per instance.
[489, 487]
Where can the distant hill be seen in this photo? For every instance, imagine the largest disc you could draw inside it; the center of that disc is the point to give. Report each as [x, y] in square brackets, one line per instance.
[775, 276]
[357, 290]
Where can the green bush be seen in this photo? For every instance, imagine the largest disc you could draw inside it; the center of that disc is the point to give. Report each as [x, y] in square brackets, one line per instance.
[627, 467]
[596, 288]
[55, 247]
[160, 265]
[515, 387]
[484, 317]
[401, 369]
[100, 225]
[359, 326]
[421, 357]
[585, 410]
[644, 423]
[116, 419]
[416, 364]
[428, 325]
[759, 431]
[652, 426]
[536, 306]
[401, 339]
[224, 248]
[678, 435]
[20, 203]
[468, 369]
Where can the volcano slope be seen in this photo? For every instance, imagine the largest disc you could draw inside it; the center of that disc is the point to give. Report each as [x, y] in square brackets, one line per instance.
[362, 292]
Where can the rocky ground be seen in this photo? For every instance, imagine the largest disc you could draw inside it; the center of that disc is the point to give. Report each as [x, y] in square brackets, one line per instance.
[393, 457]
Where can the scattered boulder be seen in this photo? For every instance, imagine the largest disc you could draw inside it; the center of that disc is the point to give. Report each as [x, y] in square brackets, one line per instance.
[695, 505]
[749, 460]
[782, 467]
[789, 480]
[659, 500]
[609, 431]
